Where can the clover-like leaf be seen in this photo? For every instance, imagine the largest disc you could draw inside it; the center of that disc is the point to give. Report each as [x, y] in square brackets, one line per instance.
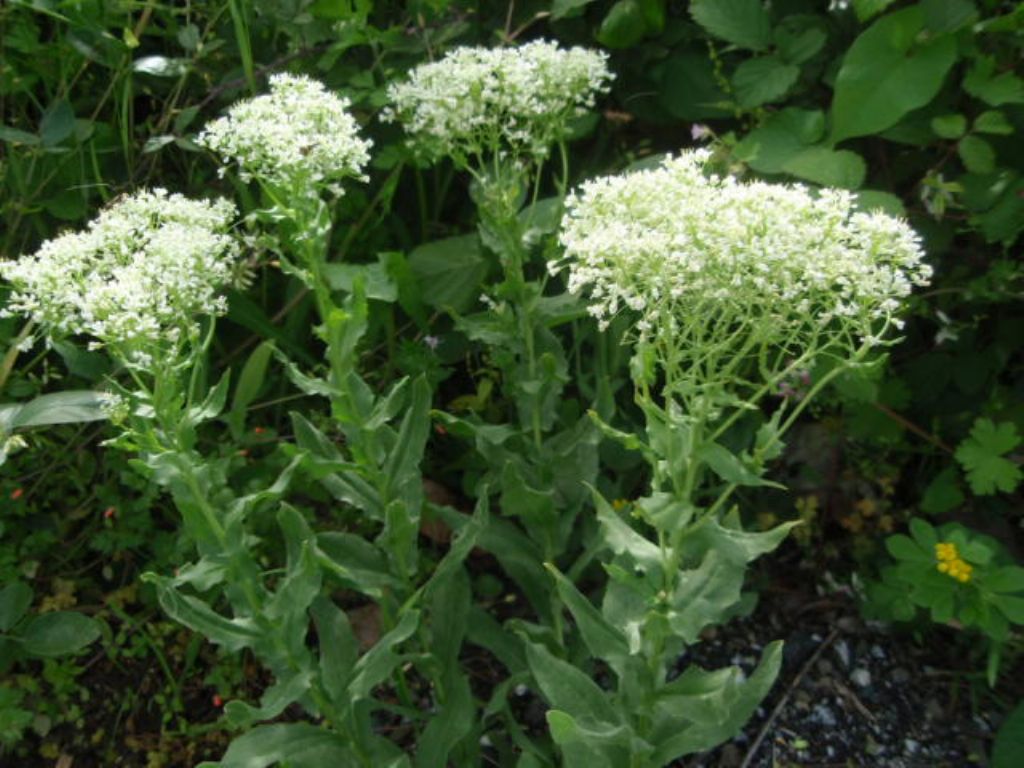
[983, 457]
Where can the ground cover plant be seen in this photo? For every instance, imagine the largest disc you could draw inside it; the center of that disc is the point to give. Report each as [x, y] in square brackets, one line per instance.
[398, 384]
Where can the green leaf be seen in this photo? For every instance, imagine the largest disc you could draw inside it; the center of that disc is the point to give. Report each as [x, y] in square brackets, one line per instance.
[828, 167]
[982, 457]
[943, 493]
[905, 548]
[560, 9]
[378, 282]
[949, 126]
[59, 633]
[948, 15]
[730, 467]
[1011, 607]
[621, 538]
[602, 639]
[377, 663]
[983, 83]
[688, 88]
[16, 136]
[701, 709]
[623, 26]
[798, 38]
[250, 382]
[15, 599]
[994, 122]
[1006, 579]
[762, 80]
[565, 729]
[71, 407]
[924, 533]
[866, 9]
[886, 73]
[275, 699]
[567, 688]
[339, 649]
[298, 745]
[233, 634]
[450, 271]
[1008, 747]
[977, 155]
[743, 23]
[57, 124]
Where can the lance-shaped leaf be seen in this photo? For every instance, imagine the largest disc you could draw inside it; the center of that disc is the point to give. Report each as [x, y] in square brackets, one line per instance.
[602, 639]
[298, 745]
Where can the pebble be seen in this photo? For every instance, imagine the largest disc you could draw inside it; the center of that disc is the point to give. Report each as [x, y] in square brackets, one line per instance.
[900, 675]
[861, 677]
[822, 715]
[910, 746]
[843, 652]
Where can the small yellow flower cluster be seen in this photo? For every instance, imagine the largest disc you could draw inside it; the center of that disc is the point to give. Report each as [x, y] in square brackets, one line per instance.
[950, 562]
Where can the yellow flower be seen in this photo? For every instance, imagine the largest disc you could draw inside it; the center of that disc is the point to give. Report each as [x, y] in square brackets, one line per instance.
[950, 563]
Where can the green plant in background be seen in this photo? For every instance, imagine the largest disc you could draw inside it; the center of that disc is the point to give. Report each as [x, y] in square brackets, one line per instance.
[959, 577]
[497, 114]
[732, 287]
[295, 163]
[45, 635]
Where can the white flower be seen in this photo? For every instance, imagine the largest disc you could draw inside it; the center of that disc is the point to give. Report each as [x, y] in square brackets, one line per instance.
[488, 101]
[297, 136]
[139, 274]
[703, 256]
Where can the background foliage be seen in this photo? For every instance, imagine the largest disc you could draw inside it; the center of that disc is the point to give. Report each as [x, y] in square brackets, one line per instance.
[916, 106]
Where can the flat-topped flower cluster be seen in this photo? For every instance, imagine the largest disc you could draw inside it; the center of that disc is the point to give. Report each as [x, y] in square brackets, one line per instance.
[297, 137]
[138, 275]
[477, 102]
[678, 245]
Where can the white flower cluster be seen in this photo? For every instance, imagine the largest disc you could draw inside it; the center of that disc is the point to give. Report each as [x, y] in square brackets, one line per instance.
[680, 246]
[138, 275]
[484, 101]
[296, 137]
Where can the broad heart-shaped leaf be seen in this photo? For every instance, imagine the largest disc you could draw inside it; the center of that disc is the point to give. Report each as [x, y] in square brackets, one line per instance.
[886, 73]
[299, 745]
[604, 641]
[15, 599]
[449, 271]
[700, 710]
[59, 633]
[763, 79]
[69, 407]
[741, 22]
